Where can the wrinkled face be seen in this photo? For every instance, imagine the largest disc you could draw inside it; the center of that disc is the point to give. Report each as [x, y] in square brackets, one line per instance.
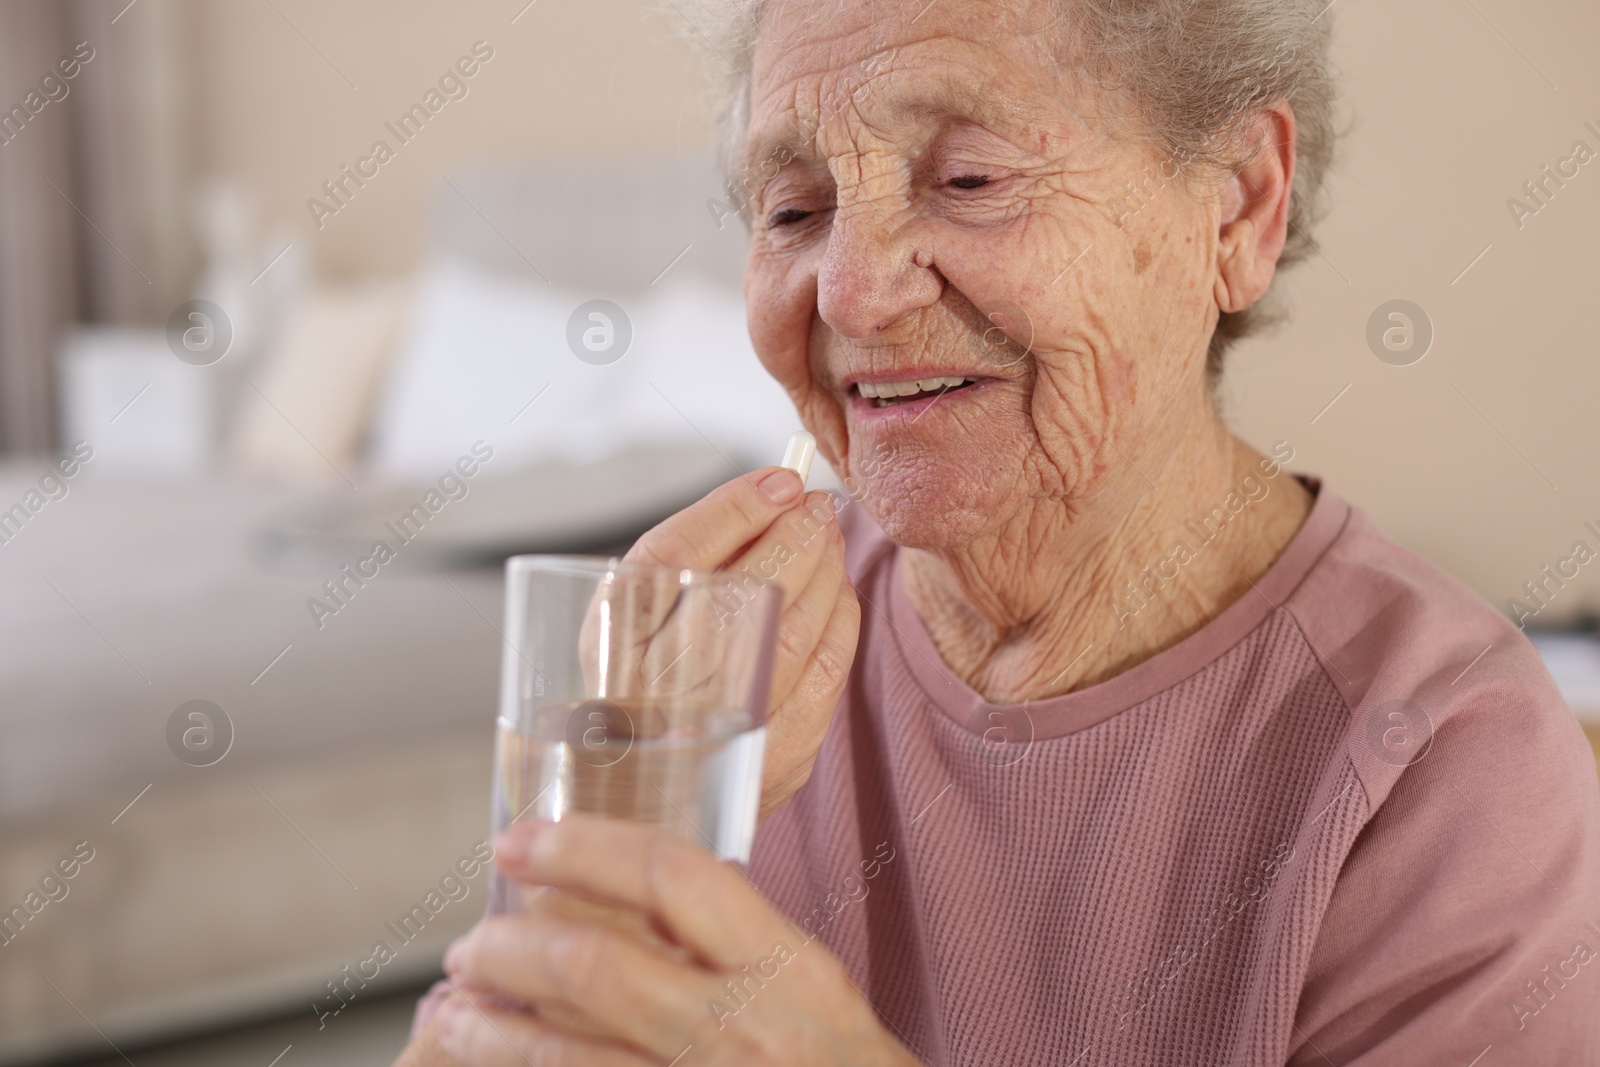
[950, 273]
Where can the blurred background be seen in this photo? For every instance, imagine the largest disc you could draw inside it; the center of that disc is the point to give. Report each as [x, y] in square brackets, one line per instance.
[240, 343]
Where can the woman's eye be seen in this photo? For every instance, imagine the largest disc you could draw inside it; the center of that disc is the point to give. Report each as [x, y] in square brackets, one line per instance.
[787, 216]
[970, 181]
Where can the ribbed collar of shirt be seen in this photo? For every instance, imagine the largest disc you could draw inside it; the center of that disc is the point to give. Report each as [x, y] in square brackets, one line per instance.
[1083, 708]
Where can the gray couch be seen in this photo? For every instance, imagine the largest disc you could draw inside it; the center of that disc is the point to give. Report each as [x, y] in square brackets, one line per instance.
[358, 770]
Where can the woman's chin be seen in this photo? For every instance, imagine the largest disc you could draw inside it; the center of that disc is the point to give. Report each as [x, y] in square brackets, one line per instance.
[919, 508]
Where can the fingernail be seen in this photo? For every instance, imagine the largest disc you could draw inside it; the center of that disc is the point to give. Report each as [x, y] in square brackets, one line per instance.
[781, 486]
[511, 849]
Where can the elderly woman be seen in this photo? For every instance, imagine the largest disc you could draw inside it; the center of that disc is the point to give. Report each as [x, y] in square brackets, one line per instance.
[1099, 737]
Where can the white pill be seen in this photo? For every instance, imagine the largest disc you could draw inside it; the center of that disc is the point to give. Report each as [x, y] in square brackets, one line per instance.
[798, 456]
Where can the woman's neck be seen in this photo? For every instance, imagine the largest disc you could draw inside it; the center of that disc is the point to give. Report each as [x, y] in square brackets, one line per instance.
[1061, 597]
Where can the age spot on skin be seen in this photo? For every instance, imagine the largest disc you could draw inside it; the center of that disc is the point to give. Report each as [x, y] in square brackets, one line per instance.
[1142, 257]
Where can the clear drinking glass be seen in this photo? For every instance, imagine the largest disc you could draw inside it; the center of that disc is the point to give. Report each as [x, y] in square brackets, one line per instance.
[634, 692]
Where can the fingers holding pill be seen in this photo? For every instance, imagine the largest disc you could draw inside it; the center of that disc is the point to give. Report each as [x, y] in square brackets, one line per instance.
[788, 551]
[766, 525]
[806, 611]
[706, 533]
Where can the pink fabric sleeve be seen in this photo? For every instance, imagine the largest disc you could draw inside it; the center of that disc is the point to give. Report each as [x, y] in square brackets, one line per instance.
[1467, 915]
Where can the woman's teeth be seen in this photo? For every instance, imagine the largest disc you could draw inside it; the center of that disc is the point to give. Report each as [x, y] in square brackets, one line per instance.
[884, 392]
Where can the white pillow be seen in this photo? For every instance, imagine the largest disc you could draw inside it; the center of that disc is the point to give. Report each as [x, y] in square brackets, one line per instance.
[481, 345]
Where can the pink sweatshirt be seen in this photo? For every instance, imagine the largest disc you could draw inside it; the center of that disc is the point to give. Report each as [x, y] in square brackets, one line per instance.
[1350, 821]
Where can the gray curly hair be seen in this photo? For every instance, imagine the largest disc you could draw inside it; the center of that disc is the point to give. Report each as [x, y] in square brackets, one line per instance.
[1196, 72]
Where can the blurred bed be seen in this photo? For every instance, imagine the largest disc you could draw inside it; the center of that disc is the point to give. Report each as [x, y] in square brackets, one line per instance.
[357, 772]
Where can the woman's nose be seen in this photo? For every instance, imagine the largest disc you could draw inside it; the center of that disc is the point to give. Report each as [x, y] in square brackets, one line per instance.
[872, 273]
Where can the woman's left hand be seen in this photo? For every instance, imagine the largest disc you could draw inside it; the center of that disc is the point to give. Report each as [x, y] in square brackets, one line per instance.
[744, 988]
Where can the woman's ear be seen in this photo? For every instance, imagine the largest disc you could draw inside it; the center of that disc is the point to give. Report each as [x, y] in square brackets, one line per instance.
[1255, 211]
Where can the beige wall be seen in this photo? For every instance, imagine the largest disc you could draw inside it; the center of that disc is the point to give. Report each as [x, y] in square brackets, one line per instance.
[582, 77]
[1447, 120]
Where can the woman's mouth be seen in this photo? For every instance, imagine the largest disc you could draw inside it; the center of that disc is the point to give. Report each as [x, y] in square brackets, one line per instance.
[892, 394]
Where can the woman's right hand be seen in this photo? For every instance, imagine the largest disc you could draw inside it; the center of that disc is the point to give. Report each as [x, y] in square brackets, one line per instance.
[765, 521]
